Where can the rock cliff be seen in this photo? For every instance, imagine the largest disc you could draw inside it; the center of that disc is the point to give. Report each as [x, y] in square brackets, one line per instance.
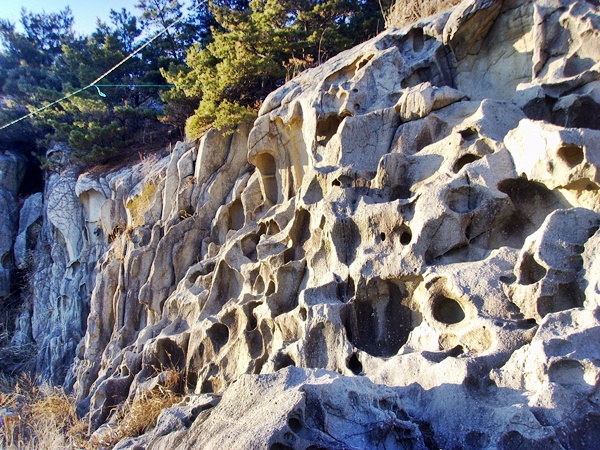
[398, 253]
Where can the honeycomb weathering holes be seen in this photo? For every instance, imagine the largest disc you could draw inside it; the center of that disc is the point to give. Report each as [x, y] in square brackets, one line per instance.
[572, 155]
[327, 128]
[464, 160]
[380, 322]
[267, 167]
[447, 310]
[354, 364]
[219, 336]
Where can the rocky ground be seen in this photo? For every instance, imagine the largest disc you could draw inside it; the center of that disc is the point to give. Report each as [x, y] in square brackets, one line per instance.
[398, 253]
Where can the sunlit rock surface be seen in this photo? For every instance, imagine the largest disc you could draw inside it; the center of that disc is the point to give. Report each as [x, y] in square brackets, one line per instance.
[413, 225]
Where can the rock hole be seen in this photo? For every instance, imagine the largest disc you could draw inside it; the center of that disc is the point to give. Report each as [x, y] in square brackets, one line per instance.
[379, 323]
[283, 360]
[418, 39]
[405, 237]
[400, 192]
[468, 231]
[295, 424]
[346, 239]
[236, 215]
[532, 202]
[419, 76]
[255, 344]
[576, 65]
[265, 163]
[300, 233]
[273, 228]
[530, 271]
[191, 380]
[169, 355]
[464, 160]
[567, 296]
[428, 258]
[354, 364]
[192, 277]
[464, 199]
[336, 182]
[477, 439]
[248, 245]
[327, 128]
[447, 310]
[456, 351]
[507, 279]
[259, 285]
[572, 155]
[207, 387]
[526, 324]
[382, 236]
[357, 107]
[280, 446]
[363, 62]
[303, 314]
[270, 288]
[218, 335]
[567, 372]
[252, 322]
[470, 134]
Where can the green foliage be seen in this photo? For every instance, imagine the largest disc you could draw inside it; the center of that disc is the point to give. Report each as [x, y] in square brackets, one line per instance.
[223, 58]
[256, 48]
[47, 61]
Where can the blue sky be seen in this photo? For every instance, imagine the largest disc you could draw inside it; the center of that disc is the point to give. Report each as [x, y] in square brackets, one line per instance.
[84, 11]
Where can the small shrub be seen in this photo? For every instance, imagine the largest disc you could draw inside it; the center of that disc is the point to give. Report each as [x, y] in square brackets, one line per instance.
[405, 12]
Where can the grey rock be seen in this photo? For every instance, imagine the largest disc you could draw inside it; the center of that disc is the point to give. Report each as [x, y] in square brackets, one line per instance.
[412, 225]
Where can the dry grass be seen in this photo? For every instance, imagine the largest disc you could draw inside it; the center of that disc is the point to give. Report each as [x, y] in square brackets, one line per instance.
[405, 12]
[140, 415]
[141, 203]
[38, 417]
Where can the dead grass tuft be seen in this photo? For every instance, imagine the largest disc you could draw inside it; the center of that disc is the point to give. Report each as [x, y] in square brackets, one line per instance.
[38, 416]
[405, 12]
[140, 415]
[141, 203]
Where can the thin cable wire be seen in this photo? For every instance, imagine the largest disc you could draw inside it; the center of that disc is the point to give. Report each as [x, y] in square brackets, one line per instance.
[109, 71]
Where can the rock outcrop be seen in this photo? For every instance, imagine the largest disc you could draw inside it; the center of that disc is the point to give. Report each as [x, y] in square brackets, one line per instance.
[12, 171]
[412, 225]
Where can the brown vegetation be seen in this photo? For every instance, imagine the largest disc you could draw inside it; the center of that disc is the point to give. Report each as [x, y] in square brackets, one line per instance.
[405, 12]
[38, 416]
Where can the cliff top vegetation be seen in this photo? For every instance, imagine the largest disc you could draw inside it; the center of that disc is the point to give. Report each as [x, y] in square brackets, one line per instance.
[214, 65]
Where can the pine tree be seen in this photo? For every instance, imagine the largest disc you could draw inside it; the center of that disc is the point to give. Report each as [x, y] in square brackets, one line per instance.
[257, 47]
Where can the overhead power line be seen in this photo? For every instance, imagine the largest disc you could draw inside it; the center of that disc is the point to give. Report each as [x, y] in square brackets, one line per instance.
[109, 71]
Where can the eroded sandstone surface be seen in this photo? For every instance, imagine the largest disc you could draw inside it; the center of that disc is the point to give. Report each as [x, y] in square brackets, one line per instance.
[398, 253]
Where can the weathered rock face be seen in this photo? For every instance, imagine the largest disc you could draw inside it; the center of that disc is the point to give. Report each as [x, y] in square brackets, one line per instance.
[12, 171]
[417, 219]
